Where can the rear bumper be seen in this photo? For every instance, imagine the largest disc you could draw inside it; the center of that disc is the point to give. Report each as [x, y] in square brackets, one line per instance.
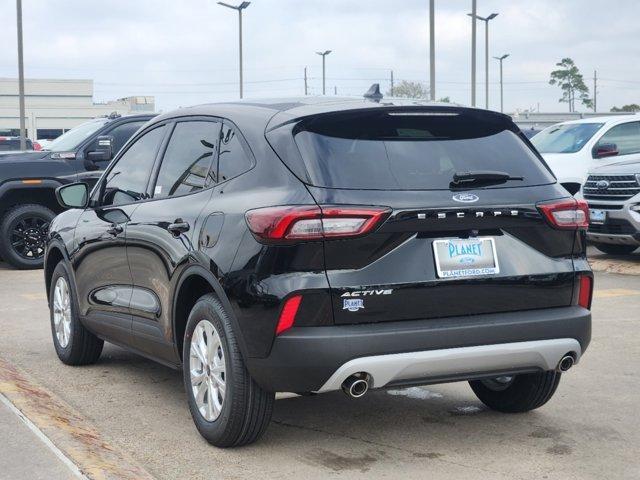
[309, 359]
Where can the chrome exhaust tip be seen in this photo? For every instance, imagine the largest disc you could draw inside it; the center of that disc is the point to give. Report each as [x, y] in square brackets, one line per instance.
[356, 385]
[566, 363]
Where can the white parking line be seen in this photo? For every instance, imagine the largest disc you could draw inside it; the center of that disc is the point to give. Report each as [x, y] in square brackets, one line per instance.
[38, 433]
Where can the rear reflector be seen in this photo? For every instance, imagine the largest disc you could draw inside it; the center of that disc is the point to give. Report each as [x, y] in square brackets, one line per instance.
[288, 314]
[586, 291]
[294, 223]
[566, 214]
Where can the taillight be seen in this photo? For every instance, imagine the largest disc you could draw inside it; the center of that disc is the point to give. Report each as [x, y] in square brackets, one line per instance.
[295, 223]
[586, 291]
[288, 314]
[567, 213]
[37, 147]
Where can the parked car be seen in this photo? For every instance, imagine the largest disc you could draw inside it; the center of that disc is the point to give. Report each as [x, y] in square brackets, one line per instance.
[28, 181]
[12, 144]
[574, 148]
[312, 245]
[613, 194]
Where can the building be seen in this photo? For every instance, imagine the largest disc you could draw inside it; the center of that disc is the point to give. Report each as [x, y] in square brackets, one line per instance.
[54, 106]
[540, 120]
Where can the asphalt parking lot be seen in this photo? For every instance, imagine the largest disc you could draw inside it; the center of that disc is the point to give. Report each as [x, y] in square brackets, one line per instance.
[136, 412]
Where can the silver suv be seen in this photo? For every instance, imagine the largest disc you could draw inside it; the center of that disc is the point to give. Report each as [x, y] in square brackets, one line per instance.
[613, 194]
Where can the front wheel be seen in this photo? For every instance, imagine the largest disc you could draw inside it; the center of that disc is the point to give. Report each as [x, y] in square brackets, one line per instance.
[517, 393]
[227, 406]
[74, 344]
[23, 233]
[612, 249]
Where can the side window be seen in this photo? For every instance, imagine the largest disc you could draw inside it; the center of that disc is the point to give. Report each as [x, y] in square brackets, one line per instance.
[186, 164]
[626, 137]
[233, 158]
[122, 133]
[127, 181]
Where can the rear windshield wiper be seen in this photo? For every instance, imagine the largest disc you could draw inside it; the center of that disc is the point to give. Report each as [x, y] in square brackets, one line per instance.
[480, 177]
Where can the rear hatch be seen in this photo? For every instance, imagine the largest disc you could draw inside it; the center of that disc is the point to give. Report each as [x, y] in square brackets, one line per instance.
[476, 246]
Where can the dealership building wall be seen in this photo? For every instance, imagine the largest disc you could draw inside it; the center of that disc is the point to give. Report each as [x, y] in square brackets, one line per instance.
[56, 105]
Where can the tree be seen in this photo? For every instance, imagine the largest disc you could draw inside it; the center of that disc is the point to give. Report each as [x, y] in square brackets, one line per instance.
[408, 89]
[632, 107]
[570, 80]
[445, 100]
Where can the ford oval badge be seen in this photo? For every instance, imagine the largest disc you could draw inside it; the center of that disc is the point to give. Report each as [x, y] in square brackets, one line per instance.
[465, 197]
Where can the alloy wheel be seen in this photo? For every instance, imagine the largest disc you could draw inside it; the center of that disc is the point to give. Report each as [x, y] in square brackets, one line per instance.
[62, 312]
[207, 370]
[28, 237]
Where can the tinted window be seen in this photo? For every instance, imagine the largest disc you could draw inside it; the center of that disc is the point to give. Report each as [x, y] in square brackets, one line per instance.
[127, 181]
[233, 158]
[122, 133]
[626, 137]
[404, 150]
[186, 163]
[566, 138]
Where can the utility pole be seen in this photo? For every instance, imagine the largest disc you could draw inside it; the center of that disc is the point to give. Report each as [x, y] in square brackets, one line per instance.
[432, 51]
[306, 87]
[335, 90]
[391, 83]
[239, 8]
[500, 59]
[474, 11]
[486, 54]
[595, 91]
[23, 132]
[324, 76]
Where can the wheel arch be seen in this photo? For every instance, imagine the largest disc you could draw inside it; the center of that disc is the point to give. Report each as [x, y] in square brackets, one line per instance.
[13, 193]
[55, 254]
[193, 283]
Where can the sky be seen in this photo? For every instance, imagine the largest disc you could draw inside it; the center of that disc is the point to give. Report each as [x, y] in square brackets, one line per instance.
[186, 52]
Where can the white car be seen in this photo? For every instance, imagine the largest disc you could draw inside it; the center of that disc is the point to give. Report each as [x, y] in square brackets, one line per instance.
[571, 149]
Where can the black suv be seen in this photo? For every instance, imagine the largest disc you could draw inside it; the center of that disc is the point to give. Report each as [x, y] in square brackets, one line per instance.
[310, 245]
[28, 181]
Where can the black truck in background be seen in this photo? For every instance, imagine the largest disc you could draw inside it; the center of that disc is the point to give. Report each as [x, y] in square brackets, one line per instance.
[28, 181]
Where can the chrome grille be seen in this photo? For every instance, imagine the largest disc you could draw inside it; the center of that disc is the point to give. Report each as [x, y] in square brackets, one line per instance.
[620, 187]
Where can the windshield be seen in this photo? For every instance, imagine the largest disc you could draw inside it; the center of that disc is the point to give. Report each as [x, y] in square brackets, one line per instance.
[74, 137]
[405, 151]
[565, 138]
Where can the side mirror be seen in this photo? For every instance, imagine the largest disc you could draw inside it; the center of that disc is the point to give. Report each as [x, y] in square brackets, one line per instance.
[103, 151]
[74, 195]
[603, 150]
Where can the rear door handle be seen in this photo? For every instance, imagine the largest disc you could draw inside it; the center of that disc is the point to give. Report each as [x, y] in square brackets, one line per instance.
[178, 227]
[115, 229]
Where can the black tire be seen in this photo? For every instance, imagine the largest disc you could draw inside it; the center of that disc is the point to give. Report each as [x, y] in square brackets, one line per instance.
[83, 347]
[13, 249]
[612, 249]
[523, 393]
[246, 408]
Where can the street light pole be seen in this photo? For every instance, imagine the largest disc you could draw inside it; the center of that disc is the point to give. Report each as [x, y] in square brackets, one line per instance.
[23, 133]
[432, 52]
[486, 54]
[239, 8]
[324, 77]
[501, 90]
[473, 52]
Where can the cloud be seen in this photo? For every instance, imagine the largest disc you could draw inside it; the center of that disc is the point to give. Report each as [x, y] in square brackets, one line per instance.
[186, 52]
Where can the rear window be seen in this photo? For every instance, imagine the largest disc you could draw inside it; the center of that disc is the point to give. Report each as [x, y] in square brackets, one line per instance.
[420, 150]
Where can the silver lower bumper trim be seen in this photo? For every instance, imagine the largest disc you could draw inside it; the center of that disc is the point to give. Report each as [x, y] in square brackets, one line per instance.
[612, 238]
[385, 369]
